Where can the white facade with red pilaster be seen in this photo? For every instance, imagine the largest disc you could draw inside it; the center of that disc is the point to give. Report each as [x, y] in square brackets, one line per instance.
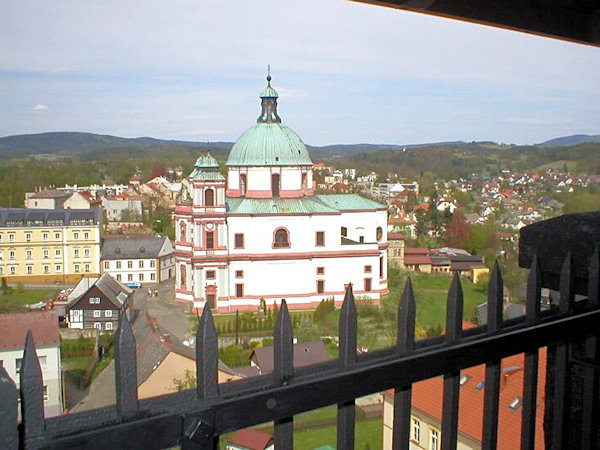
[262, 232]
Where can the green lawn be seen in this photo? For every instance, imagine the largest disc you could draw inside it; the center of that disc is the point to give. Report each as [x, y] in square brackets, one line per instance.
[431, 293]
[368, 435]
[15, 301]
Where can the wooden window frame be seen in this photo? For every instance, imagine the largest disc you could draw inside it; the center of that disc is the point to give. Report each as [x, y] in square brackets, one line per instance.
[237, 236]
[320, 234]
[320, 286]
[320, 270]
[239, 289]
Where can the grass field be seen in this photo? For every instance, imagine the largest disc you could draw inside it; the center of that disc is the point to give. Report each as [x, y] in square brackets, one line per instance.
[368, 435]
[431, 293]
[15, 301]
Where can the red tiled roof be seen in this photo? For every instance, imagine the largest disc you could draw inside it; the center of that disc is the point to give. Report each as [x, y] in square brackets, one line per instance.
[411, 260]
[427, 397]
[395, 237]
[417, 251]
[251, 439]
[43, 325]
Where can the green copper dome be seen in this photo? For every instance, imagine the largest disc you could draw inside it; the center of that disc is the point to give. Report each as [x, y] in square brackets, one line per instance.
[269, 142]
[206, 168]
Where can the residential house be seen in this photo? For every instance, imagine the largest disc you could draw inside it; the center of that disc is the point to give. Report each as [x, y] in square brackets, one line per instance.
[97, 302]
[46, 198]
[44, 328]
[144, 259]
[417, 259]
[123, 208]
[426, 413]
[161, 358]
[49, 245]
[250, 439]
[396, 250]
[305, 354]
[81, 200]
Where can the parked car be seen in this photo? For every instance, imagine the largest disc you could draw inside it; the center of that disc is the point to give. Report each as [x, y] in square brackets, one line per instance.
[135, 285]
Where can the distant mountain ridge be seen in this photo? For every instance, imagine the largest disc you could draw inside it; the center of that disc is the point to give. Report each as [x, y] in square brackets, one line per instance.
[80, 143]
[567, 141]
[67, 142]
[73, 143]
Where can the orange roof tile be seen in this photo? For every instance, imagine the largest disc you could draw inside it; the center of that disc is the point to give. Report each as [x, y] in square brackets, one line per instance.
[427, 397]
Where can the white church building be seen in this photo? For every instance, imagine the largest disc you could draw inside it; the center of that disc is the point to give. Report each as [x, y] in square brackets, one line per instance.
[263, 233]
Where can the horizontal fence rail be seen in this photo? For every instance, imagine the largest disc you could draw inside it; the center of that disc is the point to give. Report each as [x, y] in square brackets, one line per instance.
[196, 418]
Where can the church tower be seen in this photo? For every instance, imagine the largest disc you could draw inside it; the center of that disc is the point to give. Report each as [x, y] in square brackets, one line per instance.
[201, 235]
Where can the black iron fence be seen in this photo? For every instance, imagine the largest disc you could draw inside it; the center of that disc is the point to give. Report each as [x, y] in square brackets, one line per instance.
[196, 418]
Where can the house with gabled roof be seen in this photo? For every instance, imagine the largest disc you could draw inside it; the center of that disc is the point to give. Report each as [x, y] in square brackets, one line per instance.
[138, 258]
[427, 399]
[44, 329]
[97, 302]
[250, 439]
[161, 358]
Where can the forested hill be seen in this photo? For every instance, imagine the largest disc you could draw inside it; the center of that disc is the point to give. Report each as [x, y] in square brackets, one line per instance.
[567, 141]
[80, 144]
[454, 161]
[72, 143]
[445, 160]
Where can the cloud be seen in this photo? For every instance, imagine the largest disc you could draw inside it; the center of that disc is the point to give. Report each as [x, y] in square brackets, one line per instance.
[40, 107]
[291, 93]
[203, 132]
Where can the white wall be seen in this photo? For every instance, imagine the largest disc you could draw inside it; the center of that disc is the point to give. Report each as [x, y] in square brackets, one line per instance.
[51, 374]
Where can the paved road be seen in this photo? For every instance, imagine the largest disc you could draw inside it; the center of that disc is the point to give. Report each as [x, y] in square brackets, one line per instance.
[170, 314]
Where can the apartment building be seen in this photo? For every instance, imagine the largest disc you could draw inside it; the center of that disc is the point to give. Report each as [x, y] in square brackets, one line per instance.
[49, 245]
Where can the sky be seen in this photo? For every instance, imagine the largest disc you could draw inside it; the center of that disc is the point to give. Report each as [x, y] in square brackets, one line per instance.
[346, 72]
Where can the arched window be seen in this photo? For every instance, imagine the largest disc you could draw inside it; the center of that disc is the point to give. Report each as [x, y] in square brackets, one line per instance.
[209, 197]
[303, 181]
[281, 238]
[182, 232]
[243, 185]
[379, 233]
[182, 276]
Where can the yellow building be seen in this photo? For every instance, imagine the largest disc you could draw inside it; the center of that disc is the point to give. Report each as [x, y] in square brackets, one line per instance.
[49, 245]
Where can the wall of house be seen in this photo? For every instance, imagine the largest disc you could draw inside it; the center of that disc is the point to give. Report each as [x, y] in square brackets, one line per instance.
[49, 357]
[49, 254]
[426, 424]
[142, 270]
[76, 201]
[173, 366]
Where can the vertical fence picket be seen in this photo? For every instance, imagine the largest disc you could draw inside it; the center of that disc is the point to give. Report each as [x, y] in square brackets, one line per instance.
[196, 435]
[125, 370]
[530, 376]
[492, 369]
[32, 392]
[207, 356]
[348, 331]
[589, 425]
[283, 371]
[454, 312]
[562, 379]
[405, 343]
[9, 436]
